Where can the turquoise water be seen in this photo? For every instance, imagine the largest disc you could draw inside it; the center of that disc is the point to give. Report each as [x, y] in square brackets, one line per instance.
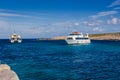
[55, 60]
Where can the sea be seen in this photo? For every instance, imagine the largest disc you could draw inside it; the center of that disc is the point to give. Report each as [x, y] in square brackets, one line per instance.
[56, 60]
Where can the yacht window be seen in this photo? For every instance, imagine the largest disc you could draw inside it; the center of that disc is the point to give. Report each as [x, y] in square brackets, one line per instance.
[75, 34]
[69, 38]
[80, 38]
[85, 38]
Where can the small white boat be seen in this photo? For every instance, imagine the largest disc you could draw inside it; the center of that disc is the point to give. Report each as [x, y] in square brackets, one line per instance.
[15, 38]
[77, 38]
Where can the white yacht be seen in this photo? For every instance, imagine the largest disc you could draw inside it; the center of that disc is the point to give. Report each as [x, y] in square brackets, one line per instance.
[15, 38]
[77, 38]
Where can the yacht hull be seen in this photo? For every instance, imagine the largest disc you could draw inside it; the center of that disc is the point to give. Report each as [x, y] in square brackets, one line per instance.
[15, 38]
[78, 41]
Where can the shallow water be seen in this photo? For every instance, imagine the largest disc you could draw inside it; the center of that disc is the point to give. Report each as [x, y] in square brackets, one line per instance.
[55, 60]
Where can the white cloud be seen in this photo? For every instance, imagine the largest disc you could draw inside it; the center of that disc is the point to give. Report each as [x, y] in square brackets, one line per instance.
[24, 14]
[117, 8]
[66, 24]
[6, 10]
[115, 3]
[102, 14]
[61, 24]
[1, 10]
[3, 24]
[2, 14]
[98, 29]
[93, 23]
[113, 21]
[77, 23]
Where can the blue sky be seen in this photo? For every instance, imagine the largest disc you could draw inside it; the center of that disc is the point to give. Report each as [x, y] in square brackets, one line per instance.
[50, 18]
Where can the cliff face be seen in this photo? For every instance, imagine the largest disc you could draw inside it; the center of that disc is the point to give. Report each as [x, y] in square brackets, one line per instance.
[105, 36]
[6, 73]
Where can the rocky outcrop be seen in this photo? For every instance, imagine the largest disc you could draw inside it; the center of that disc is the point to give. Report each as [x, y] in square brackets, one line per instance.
[6, 73]
[102, 36]
[105, 36]
[54, 38]
[59, 38]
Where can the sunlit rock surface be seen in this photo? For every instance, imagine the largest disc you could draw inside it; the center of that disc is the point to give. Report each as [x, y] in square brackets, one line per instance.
[6, 73]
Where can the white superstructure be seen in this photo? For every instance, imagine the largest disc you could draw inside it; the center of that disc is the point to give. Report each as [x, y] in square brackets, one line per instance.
[77, 38]
[15, 38]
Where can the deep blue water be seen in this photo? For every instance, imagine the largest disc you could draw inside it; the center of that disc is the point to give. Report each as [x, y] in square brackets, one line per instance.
[55, 60]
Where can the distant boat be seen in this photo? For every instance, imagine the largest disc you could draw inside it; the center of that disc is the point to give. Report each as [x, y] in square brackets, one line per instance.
[15, 38]
[77, 38]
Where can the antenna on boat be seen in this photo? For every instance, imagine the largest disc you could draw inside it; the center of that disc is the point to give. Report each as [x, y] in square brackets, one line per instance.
[87, 35]
[14, 31]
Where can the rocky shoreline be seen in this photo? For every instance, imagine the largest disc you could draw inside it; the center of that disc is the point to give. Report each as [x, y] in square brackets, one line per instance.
[102, 36]
[6, 73]
[105, 36]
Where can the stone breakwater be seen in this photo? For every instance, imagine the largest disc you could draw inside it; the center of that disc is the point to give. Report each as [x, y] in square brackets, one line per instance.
[6, 73]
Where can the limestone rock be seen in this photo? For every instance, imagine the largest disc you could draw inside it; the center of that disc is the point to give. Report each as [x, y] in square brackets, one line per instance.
[4, 67]
[6, 73]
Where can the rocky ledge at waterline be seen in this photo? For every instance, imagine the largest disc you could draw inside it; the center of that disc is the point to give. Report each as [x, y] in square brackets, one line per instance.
[102, 36]
[6, 73]
[105, 36]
